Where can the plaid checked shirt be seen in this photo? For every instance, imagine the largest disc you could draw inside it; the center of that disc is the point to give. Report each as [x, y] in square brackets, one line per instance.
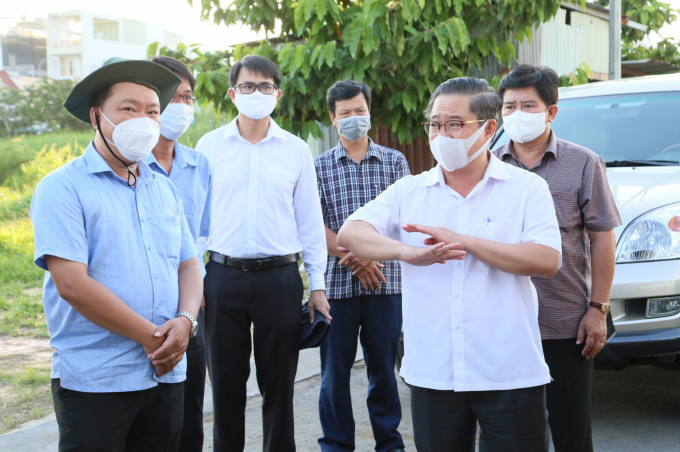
[344, 186]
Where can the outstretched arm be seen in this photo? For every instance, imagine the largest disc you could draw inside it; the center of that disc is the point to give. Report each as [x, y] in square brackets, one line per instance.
[363, 240]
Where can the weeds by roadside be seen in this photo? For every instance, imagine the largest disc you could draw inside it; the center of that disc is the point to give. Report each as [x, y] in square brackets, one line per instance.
[25, 395]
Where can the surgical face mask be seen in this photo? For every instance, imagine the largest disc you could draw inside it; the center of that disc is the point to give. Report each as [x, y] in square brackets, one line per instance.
[452, 153]
[354, 128]
[134, 138]
[523, 127]
[255, 105]
[176, 119]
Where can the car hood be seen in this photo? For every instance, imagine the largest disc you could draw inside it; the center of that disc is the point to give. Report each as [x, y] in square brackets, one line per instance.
[637, 190]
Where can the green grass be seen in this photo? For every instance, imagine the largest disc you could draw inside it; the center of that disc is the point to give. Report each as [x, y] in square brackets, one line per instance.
[22, 313]
[25, 394]
[22, 149]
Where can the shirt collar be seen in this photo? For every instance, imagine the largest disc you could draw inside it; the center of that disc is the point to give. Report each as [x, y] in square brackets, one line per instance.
[97, 164]
[273, 131]
[180, 159]
[496, 170]
[552, 148]
[373, 151]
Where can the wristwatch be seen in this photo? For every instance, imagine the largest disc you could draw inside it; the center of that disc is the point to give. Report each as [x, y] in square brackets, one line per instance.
[194, 323]
[603, 307]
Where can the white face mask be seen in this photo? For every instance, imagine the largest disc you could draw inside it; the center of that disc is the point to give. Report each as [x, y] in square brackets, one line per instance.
[134, 138]
[255, 105]
[523, 127]
[354, 128]
[452, 153]
[176, 119]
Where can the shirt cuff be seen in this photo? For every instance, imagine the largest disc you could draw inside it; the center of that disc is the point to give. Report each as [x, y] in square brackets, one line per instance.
[316, 281]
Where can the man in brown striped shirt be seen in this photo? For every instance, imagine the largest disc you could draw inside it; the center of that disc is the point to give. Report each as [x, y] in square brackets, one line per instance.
[573, 304]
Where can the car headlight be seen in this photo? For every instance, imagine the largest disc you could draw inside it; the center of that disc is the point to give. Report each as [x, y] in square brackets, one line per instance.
[653, 236]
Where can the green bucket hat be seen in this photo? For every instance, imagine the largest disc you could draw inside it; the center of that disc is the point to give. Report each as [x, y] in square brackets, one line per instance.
[117, 70]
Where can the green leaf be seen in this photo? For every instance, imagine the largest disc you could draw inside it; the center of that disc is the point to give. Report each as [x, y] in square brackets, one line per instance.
[300, 55]
[406, 99]
[321, 9]
[329, 53]
[309, 6]
[152, 50]
[483, 47]
[300, 83]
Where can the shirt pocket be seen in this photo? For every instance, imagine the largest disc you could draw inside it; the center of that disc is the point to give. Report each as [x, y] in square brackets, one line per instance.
[500, 231]
[171, 231]
[280, 185]
[194, 213]
[567, 211]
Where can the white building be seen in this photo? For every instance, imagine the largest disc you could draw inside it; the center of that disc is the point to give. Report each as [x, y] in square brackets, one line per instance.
[78, 42]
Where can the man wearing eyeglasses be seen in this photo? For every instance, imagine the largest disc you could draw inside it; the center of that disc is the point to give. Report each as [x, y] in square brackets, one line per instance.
[472, 342]
[266, 210]
[192, 174]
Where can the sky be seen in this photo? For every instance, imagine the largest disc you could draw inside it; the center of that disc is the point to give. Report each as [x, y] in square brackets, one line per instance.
[179, 17]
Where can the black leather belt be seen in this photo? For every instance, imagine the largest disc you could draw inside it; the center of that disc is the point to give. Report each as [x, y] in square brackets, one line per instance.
[254, 265]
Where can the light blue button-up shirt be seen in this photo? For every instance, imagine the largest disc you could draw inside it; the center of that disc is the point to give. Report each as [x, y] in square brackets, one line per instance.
[132, 241]
[192, 174]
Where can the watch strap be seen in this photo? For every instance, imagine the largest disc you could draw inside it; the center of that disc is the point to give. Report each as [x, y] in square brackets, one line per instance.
[194, 323]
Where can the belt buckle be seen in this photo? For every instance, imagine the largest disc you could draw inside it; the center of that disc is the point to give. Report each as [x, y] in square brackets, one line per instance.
[256, 267]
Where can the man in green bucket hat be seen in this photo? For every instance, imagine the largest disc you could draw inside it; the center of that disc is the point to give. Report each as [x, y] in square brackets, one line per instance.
[124, 284]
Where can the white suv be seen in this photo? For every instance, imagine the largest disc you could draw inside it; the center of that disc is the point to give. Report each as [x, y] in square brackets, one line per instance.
[634, 124]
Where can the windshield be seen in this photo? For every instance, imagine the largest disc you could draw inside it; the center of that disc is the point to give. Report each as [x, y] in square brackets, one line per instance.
[622, 128]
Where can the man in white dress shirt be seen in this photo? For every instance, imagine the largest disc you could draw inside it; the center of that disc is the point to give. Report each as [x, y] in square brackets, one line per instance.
[266, 210]
[472, 343]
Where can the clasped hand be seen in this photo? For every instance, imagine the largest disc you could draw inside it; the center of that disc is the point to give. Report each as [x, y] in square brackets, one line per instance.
[443, 245]
[168, 345]
[367, 271]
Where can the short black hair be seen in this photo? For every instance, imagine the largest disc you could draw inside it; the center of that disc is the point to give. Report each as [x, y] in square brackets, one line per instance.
[180, 69]
[484, 103]
[544, 79]
[346, 89]
[98, 98]
[255, 63]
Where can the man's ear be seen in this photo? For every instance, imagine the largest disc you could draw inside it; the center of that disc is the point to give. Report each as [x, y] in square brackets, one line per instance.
[330, 115]
[552, 113]
[232, 94]
[490, 128]
[278, 95]
[93, 118]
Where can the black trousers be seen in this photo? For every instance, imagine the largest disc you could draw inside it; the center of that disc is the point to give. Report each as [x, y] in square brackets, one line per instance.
[270, 300]
[194, 389]
[569, 395]
[143, 421]
[513, 420]
[378, 317]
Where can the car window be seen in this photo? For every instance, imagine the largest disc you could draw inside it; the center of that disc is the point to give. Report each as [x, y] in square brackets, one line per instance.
[623, 127]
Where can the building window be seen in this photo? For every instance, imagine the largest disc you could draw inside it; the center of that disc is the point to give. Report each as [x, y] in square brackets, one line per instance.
[106, 29]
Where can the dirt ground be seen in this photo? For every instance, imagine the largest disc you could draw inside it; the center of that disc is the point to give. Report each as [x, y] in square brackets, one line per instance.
[24, 380]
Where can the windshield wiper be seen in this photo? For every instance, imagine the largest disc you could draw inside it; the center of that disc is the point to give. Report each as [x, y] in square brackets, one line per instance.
[642, 163]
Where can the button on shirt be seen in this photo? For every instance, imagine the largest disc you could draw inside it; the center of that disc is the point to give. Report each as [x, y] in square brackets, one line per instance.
[192, 174]
[467, 326]
[344, 186]
[132, 241]
[577, 178]
[265, 202]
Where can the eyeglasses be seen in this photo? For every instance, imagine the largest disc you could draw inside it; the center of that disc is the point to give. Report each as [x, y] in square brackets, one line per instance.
[185, 98]
[453, 127]
[249, 88]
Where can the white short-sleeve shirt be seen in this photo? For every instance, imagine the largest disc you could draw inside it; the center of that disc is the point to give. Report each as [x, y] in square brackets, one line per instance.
[467, 326]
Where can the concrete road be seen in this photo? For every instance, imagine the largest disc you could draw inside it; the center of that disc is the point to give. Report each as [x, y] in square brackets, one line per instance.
[635, 410]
